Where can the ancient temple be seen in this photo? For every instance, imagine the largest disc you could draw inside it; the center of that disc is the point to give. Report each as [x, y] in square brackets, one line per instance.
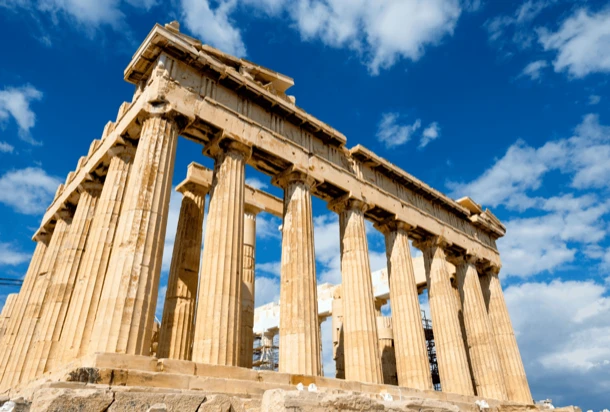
[85, 312]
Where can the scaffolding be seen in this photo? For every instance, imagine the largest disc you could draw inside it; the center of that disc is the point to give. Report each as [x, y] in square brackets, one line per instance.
[427, 324]
[265, 355]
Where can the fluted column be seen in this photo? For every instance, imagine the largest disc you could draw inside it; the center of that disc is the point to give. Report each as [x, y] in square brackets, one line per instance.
[450, 350]
[299, 330]
[362, 360]
[412, 364]
[33, 309]
[126, 312]
[217, 329]
[247, 286]
[337, 324]
[486, 368]
[43, 354]
[386, 350]
[515, 379]
[177, 328]
[92, 271]
[14, 327]
[7, 310]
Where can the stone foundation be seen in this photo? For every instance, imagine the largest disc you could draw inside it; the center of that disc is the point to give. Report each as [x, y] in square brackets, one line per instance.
[114, 382]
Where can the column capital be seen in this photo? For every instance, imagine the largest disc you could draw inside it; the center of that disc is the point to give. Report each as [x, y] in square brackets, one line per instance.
[65, 214]
[431, 241]
[125, 151]
[92, 187]
[293, 174]
[463, 259]
[393, 225]
[348, 202]
[192, 187]
[224, 143]
[251, 209]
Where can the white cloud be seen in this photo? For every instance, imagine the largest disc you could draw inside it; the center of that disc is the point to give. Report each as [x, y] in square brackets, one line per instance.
[534, 69]
[214, 25]
[594, 99]
[566, 226]
[28, 191]
[271, 268]
[266, 290]
[6, 148]
[568, 336]
[256, 183]
[9, 256]
[432, 132]
[267, 226]
[175, 203]
[15, 102]
[518, 24]
[381, 33]
[543, 243]
[582, 43]
[88, 14]
[392, 133]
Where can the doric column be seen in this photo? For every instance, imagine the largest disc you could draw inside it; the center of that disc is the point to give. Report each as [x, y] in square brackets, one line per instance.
[177, 328]
[450, 351]
[412, 364]
[45, 349]
[515, 380]
[76, 335]
[299, 331]
[217, 329]
[247, 286]
[486, 368]
[7, 310]
[386, 350]
[32, 312]
[126, 312]
[362, 360]
[17, 325]
[337, 324]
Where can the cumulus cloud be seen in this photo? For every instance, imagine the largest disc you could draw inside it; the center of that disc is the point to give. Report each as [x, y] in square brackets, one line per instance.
[562, 224]
[15, 103]
[256, 183]
[576, 314]
[267, 290]
[10, 256]
[581, 43]
[381, 33]
[391, 132]
[534, 69]
[214, 25]
[432, 132]
[175, 203]
[28, 190]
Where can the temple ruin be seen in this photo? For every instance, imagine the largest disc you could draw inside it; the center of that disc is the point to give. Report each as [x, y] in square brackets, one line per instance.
[85, 312]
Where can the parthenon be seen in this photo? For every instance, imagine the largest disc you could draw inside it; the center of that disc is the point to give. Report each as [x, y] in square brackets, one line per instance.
[89, 296]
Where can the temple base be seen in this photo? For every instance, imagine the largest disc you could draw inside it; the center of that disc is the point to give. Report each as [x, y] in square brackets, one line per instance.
[109, 382]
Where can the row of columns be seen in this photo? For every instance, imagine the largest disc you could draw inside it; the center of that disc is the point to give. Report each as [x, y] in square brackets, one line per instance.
[92, 282]
[92, 286]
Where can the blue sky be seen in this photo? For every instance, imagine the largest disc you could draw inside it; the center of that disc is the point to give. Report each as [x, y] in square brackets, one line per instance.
[506, 102]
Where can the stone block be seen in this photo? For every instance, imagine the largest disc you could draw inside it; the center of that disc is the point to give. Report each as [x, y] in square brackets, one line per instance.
[65, 400]
[176, 366]
[124, 361]
[229, 372]
[221, 403]
[274, 377]
[142, 401]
